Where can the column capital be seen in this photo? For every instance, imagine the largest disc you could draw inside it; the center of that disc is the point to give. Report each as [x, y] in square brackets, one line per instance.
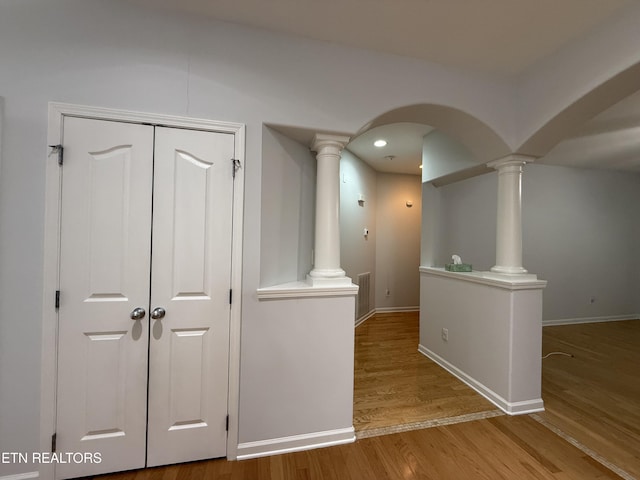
[511, 160]
[323, 140]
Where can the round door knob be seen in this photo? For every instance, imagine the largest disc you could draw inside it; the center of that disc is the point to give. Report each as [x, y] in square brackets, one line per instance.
[158, 313]
[137, 313]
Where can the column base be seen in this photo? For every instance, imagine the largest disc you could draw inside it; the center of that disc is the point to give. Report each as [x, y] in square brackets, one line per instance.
[509, 270]
[328, 278]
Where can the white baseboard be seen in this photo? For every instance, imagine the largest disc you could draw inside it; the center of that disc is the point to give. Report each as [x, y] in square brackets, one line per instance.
[360, 321]
[510, 408]
[295, 443]
[21, 476]
[572, 321]
[397, 309]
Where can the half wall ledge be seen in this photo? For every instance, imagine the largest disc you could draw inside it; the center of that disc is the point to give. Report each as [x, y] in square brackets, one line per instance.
[301, 289]
[525, 281]
[486, 329]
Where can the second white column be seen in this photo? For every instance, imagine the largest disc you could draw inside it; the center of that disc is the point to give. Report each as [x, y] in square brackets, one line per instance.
[509, 222]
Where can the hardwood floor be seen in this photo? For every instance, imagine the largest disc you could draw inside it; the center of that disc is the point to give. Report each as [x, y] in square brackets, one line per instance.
[497, 448]
[396, 385]
[594, 396]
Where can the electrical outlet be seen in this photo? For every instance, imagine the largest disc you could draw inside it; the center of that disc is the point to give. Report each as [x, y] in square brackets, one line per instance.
[388, 293]
[592, 300]
[445, 334]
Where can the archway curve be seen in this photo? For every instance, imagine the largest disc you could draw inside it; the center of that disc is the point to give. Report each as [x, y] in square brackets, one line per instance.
[568, 121]
[480, 139]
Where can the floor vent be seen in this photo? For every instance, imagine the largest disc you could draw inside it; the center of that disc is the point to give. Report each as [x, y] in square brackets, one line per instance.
[364, 282]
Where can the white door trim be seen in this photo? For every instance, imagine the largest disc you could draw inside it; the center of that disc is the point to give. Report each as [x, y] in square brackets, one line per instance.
[53, 190]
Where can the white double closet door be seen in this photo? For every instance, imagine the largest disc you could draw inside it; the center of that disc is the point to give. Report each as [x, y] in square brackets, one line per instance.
[145, 230]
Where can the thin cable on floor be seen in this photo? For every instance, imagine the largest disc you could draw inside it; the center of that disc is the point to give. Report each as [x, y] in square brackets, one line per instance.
[558, 353]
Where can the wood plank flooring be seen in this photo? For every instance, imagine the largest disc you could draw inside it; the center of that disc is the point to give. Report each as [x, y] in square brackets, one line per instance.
[595, 395]
[497, 448]
[396, 385]
[592, 396]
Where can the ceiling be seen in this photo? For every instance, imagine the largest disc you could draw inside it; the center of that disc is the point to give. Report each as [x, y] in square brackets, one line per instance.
[401, 154]
[496, 37]
[611, 140]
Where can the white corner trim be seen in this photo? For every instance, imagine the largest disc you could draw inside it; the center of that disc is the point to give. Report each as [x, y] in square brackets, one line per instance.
[57, 110]
[573, 321]
[295, 443]
[1, 123]
[21, 476]
[510, 408]
[303, 289]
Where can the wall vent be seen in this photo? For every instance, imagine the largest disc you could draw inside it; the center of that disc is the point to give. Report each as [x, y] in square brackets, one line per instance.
[364, 282]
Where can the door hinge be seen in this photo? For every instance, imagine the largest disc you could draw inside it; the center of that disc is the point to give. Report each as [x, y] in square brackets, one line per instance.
[230, 296]
[236, 166]
[57, 299]
[54, 439]
[59, 149]
[227, 424]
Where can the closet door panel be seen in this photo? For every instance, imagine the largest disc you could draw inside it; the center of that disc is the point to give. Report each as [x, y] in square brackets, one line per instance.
[191, 269]
[105, 248]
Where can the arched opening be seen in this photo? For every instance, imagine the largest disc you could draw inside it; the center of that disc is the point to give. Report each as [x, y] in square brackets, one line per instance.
[449, 145]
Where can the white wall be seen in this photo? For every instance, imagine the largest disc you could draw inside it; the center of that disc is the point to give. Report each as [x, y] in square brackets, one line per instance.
[303, 380]
[442, 155]
[578, 225]
[398, 241]
[357, 252]
[113, 54]
[287, 209]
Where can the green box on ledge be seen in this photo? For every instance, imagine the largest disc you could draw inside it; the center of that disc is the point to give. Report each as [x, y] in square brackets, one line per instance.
[458, 267]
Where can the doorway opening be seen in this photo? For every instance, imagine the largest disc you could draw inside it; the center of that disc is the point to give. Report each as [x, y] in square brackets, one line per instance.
[396, 387]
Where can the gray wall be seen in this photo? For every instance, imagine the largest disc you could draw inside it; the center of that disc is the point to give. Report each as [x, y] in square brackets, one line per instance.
[398, 241]
[287, 209]
[392, 250]
[637, 268]
[637, 292]
[468, 220]
[432, 235]
[578, 227]
[580, 233]
[357, 252]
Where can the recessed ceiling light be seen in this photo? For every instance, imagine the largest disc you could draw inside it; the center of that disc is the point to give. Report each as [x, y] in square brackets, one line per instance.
[380, 143]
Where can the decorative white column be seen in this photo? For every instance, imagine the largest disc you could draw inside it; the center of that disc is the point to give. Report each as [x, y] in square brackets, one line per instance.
[509, 224]
[326, 266]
